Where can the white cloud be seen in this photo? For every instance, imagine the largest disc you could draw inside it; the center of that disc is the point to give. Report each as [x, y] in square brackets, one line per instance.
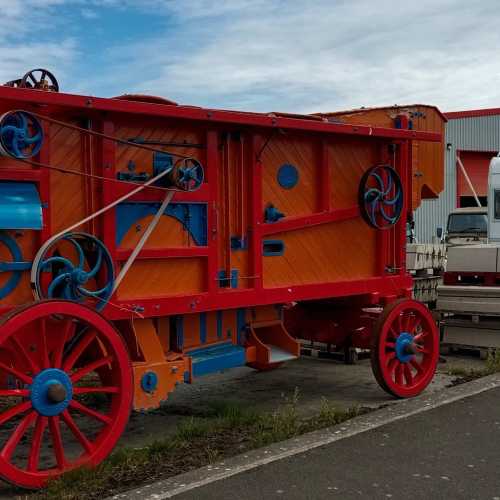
[290, 55]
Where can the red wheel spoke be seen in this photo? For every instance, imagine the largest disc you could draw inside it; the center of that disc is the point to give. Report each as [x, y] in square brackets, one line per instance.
[13, 412]
[20, 347]
[90, 412]
[69, 329]
[416, 365]
[78, 350]
[90, 367]
[17, 435]
[407, 321]
[399, 374]
[93, 390]
[393, 363]
[407, 374]
[68, 419]
[422, 350]
[393, 332]
[416, 323]
[391, 345]
[19, 375]
[44, 351]
[420, 336]
[34, 456]
[22, 393]
[55, 431]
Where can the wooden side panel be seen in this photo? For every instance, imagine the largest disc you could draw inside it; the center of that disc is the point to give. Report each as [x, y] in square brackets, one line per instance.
[348, 160]
[68, 191]
[164, 278]
[328, 253]
[303, 153]
[427, 157]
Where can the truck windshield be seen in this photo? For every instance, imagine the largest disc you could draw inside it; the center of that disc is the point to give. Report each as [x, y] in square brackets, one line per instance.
[467, 223]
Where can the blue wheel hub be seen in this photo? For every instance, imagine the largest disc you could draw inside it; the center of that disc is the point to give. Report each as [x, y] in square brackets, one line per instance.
[51, 392]
[404, 347]
[149, 381]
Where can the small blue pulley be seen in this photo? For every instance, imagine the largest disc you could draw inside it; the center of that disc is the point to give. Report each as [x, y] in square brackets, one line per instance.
[21, 135]
[188, 174]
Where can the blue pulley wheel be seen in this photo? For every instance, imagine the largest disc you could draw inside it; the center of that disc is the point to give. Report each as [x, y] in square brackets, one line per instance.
[77, 267]
[21, 135]
[380, 196]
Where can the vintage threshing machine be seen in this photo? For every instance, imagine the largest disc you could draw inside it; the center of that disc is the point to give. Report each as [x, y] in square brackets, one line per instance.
[144, 244]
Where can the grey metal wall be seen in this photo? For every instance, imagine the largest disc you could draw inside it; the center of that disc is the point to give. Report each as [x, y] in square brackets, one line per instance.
[471, 134]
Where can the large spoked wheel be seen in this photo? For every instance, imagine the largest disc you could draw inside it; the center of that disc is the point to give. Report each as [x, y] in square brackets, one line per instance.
[66, 391]
[405, 348]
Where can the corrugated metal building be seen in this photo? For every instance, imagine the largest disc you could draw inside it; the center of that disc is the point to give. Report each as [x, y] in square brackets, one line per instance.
[475, 137]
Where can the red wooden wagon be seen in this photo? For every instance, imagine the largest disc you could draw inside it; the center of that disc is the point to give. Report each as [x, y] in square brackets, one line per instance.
[144, 244]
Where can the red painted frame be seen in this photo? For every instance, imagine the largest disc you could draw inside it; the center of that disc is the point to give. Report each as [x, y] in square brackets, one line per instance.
[387, 285]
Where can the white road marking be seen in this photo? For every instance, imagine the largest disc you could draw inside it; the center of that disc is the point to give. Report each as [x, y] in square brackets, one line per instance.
[176, 485]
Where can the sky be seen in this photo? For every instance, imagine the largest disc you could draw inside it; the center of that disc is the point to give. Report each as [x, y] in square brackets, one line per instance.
[262, 55]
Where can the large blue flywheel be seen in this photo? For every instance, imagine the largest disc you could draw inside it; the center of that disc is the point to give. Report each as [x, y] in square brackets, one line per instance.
[381, 196]
[77, 267]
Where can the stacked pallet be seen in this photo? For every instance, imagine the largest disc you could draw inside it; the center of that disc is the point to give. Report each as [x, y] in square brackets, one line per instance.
[426, 262]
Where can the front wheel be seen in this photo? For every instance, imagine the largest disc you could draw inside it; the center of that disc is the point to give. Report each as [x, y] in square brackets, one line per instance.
[66, 391]
[405, 348]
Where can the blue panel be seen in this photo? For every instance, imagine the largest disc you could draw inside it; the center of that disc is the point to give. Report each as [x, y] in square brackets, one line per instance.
[234, 278]
[240, 323]
[219, 324]
[288, 176]
[216, 358]
[193, 216]
[20, 206]
[203, 328]
[179, 326]
[273, 248]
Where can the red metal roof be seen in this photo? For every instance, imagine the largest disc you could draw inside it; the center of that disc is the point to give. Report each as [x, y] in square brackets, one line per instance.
[471, 113]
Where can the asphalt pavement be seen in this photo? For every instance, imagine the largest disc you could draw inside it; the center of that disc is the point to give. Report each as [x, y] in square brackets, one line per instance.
[449, 452]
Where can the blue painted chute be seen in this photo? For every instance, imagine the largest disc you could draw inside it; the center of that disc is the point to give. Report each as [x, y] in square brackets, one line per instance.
[20, 206]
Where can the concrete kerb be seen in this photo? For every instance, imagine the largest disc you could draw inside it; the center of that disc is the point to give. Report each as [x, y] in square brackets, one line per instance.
[168, 488]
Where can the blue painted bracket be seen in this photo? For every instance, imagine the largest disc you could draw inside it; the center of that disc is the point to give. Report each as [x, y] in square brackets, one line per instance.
[216, 358]
[16, 266]
[228, 282]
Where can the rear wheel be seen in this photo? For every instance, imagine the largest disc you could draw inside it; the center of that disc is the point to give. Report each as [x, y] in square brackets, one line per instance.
[67, 393]
[405, 348]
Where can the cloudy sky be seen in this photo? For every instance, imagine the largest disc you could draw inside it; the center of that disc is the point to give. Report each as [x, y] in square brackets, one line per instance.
[262, 55]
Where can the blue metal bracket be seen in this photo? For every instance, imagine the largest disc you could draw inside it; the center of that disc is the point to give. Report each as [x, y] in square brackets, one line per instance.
[238, 243]
[228, 281]
[16, 266]
[272, 214]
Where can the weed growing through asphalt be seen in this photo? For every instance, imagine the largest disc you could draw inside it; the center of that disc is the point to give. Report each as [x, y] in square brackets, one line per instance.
[226, 429]
[492, 365]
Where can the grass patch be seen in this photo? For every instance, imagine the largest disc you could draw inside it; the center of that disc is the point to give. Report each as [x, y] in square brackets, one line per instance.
[227, 429]
[492, 365]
